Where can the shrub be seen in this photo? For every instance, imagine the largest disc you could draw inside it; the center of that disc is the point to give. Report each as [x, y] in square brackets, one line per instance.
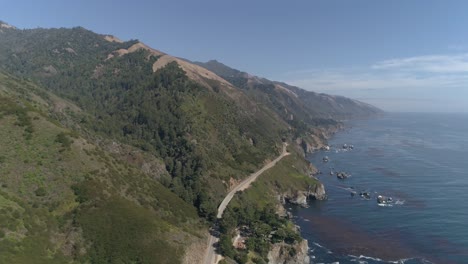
[63, 139]
[40, 191]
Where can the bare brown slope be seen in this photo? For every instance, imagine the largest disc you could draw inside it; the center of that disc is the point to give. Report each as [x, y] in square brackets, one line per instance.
[193, 71]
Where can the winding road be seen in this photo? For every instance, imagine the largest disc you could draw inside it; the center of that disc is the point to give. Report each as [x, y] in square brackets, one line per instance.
[210, 255]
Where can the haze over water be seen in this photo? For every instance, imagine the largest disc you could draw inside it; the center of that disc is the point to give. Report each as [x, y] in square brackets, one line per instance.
[421, 161]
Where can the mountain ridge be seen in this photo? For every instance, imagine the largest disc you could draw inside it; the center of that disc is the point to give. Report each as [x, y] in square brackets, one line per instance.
[158, 123]
[245, 79]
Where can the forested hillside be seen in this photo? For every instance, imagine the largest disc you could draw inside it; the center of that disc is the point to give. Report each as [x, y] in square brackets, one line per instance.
[64, 199]
[113, 152]
[203, 136]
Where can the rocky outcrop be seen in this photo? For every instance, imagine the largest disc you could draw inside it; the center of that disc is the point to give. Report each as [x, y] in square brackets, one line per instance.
[318, 192]
[282, 253]
[298, 198]
[317, 138]
[305, 145]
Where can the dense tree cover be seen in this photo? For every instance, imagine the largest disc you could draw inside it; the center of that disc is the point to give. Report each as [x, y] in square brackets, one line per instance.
[206, 136]
[259, 223]
[161, 112]
[253, 211]
[66, 200]
[202, 136]
[51, 52]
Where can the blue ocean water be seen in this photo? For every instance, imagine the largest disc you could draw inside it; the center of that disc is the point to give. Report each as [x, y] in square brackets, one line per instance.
[421, 161]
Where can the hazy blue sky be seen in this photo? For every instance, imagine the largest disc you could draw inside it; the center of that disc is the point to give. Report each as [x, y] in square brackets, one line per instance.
[399, 55]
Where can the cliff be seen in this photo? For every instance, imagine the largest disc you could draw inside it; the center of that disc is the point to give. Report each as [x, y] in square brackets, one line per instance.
[299, 197]
[282, 253]
[317, 138]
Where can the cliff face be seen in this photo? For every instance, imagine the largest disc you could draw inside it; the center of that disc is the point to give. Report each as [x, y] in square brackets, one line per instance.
[317, 138]
[298, 197]
[283, 253]
[318, 192]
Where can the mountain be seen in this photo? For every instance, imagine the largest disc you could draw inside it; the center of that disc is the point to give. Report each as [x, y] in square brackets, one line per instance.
[6, 25]
[287, 99]
[116, 152]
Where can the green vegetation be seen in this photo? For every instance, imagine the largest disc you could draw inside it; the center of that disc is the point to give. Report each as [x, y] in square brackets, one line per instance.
[310, 108]
[204, 138]
[82, 204]
[253, 211]
[7, 107]
[124, 233]
[63, 139]
[84, 129]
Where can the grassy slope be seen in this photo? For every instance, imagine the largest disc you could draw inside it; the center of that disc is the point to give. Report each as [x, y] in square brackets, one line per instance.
[63, 199]
[287, 176]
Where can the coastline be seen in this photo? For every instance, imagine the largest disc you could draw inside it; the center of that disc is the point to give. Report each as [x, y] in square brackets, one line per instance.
[304, 145]
[337, 226]
[339, 232]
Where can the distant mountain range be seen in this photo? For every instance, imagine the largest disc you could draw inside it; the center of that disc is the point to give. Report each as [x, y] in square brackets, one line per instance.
[298, 102]
[115, 152]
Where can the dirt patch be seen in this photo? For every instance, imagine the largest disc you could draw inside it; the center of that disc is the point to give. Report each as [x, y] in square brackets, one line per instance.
[111, 38]
[284, 89]
[70, 50]
[195, 253]
[194, 72]
[135, 47]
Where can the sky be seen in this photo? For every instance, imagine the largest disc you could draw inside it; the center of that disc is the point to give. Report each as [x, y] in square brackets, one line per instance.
[400, 55]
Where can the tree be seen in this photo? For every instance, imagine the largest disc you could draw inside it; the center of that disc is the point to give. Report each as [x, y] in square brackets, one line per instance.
[225, 246]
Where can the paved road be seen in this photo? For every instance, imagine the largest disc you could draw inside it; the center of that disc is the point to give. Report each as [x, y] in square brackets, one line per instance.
[210, 256]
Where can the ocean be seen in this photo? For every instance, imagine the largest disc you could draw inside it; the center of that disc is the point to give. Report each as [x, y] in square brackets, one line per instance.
[421, 162]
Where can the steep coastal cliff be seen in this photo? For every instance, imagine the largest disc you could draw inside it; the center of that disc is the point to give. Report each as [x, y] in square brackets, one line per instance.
[283, 253]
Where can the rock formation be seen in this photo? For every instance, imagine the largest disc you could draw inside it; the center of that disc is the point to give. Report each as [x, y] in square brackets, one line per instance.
[282, 253]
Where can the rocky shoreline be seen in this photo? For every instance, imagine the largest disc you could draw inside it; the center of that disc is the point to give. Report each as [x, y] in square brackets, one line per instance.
[298, 253]
[282, 253]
